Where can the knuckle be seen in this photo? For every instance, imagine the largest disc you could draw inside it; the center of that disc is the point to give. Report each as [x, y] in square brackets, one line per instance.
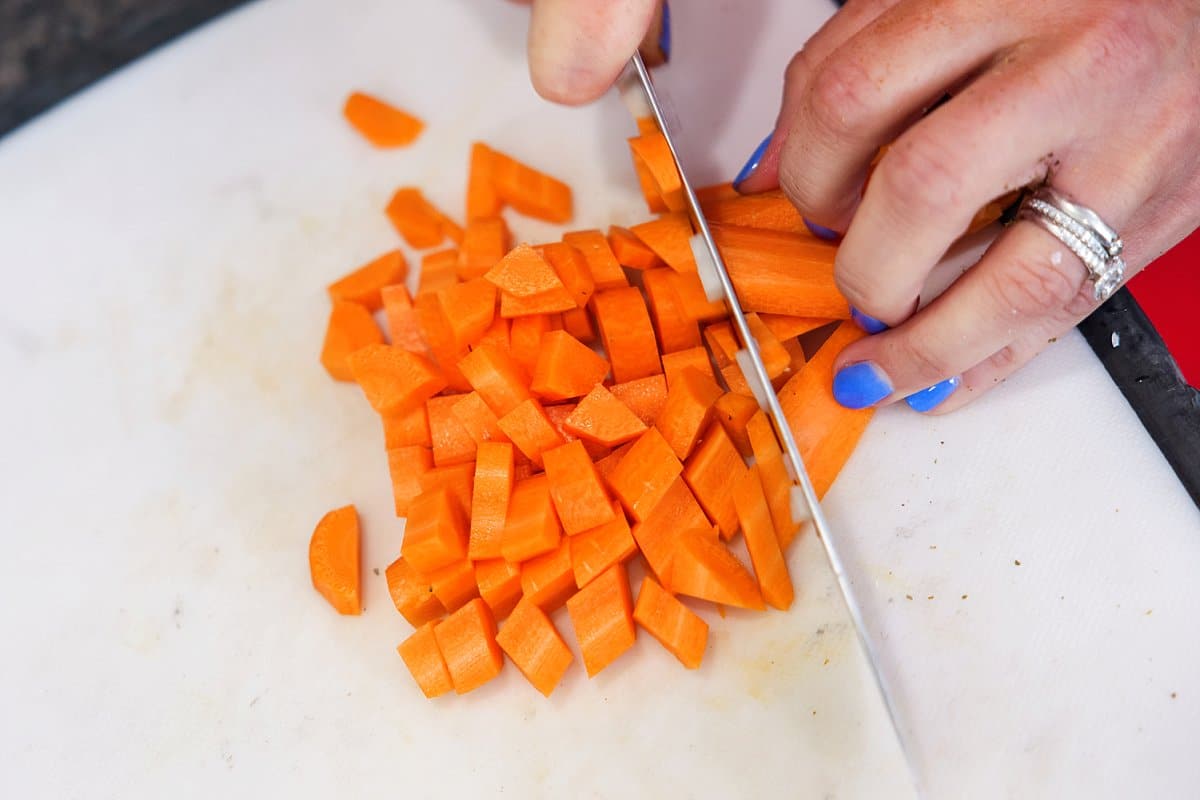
[842, 96]
[856, 285]
[1117, 41]
[798, 68]
[921, 176]
[1036, 287]
[927, 362]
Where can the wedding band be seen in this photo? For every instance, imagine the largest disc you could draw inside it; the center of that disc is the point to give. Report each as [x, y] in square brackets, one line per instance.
[1084, 233]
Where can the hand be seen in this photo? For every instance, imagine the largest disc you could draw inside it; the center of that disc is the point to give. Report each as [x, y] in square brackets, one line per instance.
[1099, 97]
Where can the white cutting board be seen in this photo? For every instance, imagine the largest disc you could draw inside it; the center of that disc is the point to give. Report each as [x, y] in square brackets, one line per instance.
[169, 440]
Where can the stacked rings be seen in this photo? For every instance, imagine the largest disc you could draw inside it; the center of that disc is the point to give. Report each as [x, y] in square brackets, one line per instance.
[1087, 236]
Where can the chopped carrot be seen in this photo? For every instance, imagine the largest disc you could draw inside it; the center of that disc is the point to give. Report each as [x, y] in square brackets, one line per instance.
[482, 199]
[469, 309]
[440, 337]
[627, 333]
[674, 364]
[796, 362]
[657, 534]
[558, 415]
[673, 624]
[424, 660]
[436, 532]
[578, 323]
[467, 641]
[606, 465]
[675, 329]
[602, 264]
[364, 284]
[393, 379]
[499, 380]
[404, 328]
[458, 480]
[512, 307]
[643, 476]
[485, 241]
[452, 442]
[768, 210]
[645, 397]
[525, 337]
[601, 417]
[528, 191]
[775, 358]
[454, 585]
[762, 542]
[531, 527]
[528, 427]
[785, 327]
[715, 193]
[602, 615]
[654, 201]
[439, 270]
[768, 458]
[687, 412]
[547, 579]
[404, 428]
[724, 346]
[497, 335]
[412, 593]
[630, 251]
[493, 487]
[416, 219]
[499, 585]
[479, 421]
[380, 123]
[524, 272]
[595, 550]
[407, 464]
[578, 494]
[669, 237]
[781, 273]
[705, 569]
[652, 152]
[734, 411]
[333, 560]
[351, 327]
[531, 641]
[566, 367]
[572, 269]
[713, 468]
[694, 301]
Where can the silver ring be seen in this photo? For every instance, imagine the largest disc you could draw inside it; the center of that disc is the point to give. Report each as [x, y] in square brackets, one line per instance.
[1084, 233]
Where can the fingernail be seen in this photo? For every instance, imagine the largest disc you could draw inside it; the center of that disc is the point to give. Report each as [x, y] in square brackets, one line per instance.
[934, 396]
[821, 232]
[860, 385]
[866, 321]
[664, 36]
[752, 162]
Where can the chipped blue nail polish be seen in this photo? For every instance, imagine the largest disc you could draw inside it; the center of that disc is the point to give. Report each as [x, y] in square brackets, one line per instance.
[752, 162]
[664, 36]
[821, 232]
[860, 385]
[867, 322]
[934, 396]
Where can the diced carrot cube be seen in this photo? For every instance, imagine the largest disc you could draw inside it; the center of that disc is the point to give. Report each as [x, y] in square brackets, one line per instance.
[415, 218]
[480, 422]
[531, 641]
[493, 487]
[711, 470]
[687, 411]
[380, 123]
[457, 479]
[578, 494]
[693, 358]
[605, 269]
[566, 367]
[643, 476]
[436, 532]
[602, 614]
[734, 411]
[525, 338]
[669, 238]
[675, 329]
[485, 241]
[469, 309]
[596, 550]
[600, 417]
[627, 333]
[528, 427]
[645, 397]
[439, 270]
[424, 660]
[630, 251]
[405, 428]
[412, 593]
[403, 325]
[393, 379]
[654, 154]
[499, 585]
[657, 535]
[705, 569]
[406, 465]
[364, 284]
[499, 380]
[452, 442]
[548, 579]
[454, 585]
[467, 641]
[530, 191]
[672, 623]
[531, 526]
[350, 328]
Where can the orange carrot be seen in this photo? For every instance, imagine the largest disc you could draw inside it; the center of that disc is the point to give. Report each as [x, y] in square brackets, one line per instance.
[674, 364]
[733, 411]
[775, 358]
[452, 442]
[768, 210]
[675, 329]
[627, 333]
[602, 264]
[333, 560]
[407, 464]
[404, 328]
[499, 585]
[781, 273]
[493, 486]
[547, 580]
[566, 367]
[482, 199]
[724, 346]
[436, 533]
[558, 415]
[687, 411]
[424, 660]
[596, 550]
[499, 380]
[524, 272]
[528, 191]
[578, 323]
[531, 527]
[454, 585]
[412, 594]
[458, 480]
[645, 397]
[531, 641]
[393, 379]
[525, 337]
[705, 569]
[579, 497]
[439, 270]
[693, 299]
[467, 641]
[796, 362]
[606, 465]
[630, 251]
[654, 201]
[572, 269]
[716, 193]
[601, 417]
[479, 421]
[785, 327]
[657, 534]
[528, 427]
[497, 335]
[762, 541]
[381, 124]
[643, 476]
[673, 624]
[713, 468]
[469, 309]
[652, 152]
[416, 219]
[602, 615]
[406, 428]
[512, 307]
[351, 327]
[768, 458]
[669, 237]
[363, 285]
[485, 241]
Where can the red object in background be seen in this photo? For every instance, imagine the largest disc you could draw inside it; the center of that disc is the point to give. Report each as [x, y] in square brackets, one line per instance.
[1169, 292]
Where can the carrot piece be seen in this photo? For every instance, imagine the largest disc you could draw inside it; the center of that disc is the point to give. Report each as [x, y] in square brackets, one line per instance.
[602, 264]
[578, 494]
[436, 532]
[364, 284]
[768, 458]
[716, 192]
[762, 542]
[674, 625]
[688, 409]
[497, 335]
[424, 660]
[439, 270]
[407, 464]
[724, 346]
[405, 428]
[785, 327]
[404, 328]
[578, 323]
[523, 273]
[492, 489]
[531, 641]
[646, 125]
[479, 421]
[469, 309]
[734, 411]
[694, 301]
[675, 329]
[333, 560]
[627, 334]
[412, 593]
[645, 397]
[656, 535]
[467, 641]
[528, 427]
[482, 199]
[713, 468]
[654, 154]
[595, 550]
[547, 579]
[529, 191]
[796, 362]
[499, 585]
[601, 417]
[675, 364]
[558, 415]
[452, 442]
[606, 465]
[525, 337]
[768, 210]
[825, 432]
[630, 251]
[458, 480]
[705, 569]
[512, 307]
[485, 241]
[645, 474]
[415, 218]
[572, 269]
[775, 357]
[654, 201]
[669, 237]
[531, 527]
[393, 379]
[499, 380]
[351, 327]
[781, 273]
[380, 123]
[566, 367]
[602, 614]
[454, 585]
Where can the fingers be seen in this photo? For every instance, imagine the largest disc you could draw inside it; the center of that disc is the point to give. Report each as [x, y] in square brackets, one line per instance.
[577, 48]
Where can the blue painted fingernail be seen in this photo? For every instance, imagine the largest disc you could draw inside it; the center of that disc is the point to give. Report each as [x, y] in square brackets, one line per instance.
[934, 396]
[860, 385]
[752, 162]
[821, 232]
[867, 322]
[664, 36]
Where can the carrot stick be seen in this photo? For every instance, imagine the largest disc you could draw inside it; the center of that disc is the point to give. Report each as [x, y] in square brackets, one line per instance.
[762, 541]
[393, 379]
[675, 328]
[531, 526]
[602, 615]
[424, 660]
[566, 368]
[547, 580]
[715, 193]
[467, 641]
[595, 550]
[364, 284]
[535, 646]
[381, 124]
[781, 273]
[601, 417]
[436, 533]
[673, 624]
[768, 457]
[775, 358]
[645, 397]
[333, 560]
[407, 464]
[528, 191]
[412, 594]
[627, 333]
[643, 476]
[499, 585]
[493, 487]
[578, 494]
[705, 569]
[602, 264]
[528, 427]
[351, 327]
[485, 241]
[482, 199]
[711, 470]
[785, 327]
[768, 211]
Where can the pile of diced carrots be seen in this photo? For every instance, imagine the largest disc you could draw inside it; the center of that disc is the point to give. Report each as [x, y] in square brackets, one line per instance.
[554, 412]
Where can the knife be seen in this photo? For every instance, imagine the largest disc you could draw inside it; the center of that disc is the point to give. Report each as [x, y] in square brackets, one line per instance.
[637, 90]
